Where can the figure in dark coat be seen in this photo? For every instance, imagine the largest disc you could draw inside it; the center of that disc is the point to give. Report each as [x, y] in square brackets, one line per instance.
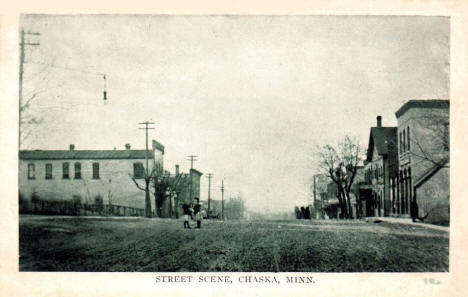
[186, 210]
[414, 210]
[197, 212]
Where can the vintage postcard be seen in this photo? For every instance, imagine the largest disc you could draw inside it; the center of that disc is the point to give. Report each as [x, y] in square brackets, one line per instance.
[236, 153]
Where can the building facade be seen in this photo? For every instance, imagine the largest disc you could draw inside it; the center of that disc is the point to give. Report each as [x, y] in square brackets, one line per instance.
[86, 176]
[424, 158]
[381, 165]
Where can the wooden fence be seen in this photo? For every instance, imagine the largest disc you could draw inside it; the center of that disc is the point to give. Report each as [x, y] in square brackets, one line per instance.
[68, 207]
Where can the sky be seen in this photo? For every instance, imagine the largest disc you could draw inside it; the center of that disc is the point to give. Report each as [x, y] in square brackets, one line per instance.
[251, 96]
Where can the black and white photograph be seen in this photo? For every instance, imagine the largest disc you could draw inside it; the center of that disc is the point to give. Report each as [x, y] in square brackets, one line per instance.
[234, 143]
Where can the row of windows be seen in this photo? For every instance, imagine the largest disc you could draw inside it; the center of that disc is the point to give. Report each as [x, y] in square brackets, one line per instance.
[405, 140]
[374, 173]
[65, 171]
[138, 170]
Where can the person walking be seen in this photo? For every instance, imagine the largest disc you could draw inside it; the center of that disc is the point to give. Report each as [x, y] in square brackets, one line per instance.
[186, 210]
[197, 212]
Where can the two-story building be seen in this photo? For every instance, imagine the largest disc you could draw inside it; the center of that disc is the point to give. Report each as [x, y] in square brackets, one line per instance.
[423, 177]
[86, 176]
[381, 166]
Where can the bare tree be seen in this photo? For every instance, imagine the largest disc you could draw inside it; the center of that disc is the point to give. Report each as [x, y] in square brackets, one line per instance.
[177, 184]
[432, 144]
[340, 164]
[162, 182]
[147, 177]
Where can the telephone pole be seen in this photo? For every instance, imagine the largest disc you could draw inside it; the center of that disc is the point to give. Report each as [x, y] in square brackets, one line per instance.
[209, 176]
[192, 159]
[147, 127]
[147, 177]
[21, 70]
[222, 199]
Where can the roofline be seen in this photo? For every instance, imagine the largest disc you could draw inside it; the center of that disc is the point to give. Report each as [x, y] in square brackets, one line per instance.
[20, 157]
[196, 171]
[157, 145]
[419, 103]
[58, 159]
[371, 137]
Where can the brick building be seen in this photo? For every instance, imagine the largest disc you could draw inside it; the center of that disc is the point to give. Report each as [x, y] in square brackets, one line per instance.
[90, 176]
[423, 154]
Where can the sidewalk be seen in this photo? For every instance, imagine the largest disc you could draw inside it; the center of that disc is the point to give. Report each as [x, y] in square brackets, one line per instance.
[409, 221]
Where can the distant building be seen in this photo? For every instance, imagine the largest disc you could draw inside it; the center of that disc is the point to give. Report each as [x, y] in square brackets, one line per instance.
[89, 176]
[192, 190]
[319, 190]
[423, 141]
[381, 165]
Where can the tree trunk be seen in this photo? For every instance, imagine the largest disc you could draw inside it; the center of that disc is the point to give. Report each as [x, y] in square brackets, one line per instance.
[147, 200]
[159, 201]
[350, 209]
[342, 204]
[176, 202]
[170, 206]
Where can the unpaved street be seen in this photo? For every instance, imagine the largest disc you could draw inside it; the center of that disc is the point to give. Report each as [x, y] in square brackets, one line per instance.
[138, 244]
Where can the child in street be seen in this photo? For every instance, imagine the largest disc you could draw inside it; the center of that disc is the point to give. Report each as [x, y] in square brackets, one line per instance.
[186, 210]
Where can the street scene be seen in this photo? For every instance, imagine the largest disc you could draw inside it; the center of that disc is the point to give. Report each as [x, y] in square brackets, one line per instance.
[162, 143]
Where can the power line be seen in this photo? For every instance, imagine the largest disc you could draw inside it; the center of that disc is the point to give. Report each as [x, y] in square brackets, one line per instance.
[104, 76]
[146, 128]
[66, 68]
[192, 159]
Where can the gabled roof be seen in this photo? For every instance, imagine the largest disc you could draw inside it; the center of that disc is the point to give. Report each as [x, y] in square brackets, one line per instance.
[381, 138]
[432, 103]
[83, 154]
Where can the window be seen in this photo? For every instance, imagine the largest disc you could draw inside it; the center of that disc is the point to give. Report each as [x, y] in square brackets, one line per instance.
[77, 170]
[138, 170]
[408, 136]
[48, 171]
[404, 140]
[401, 144]
[95, 170]
[31, 171]
[66, 170]
[446, 137]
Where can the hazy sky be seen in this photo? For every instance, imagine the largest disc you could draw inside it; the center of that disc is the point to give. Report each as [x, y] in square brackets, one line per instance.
[251, 96]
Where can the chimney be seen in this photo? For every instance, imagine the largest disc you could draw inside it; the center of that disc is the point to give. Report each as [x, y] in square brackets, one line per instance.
[72, 147]
[127, 146]
[379, 121]
[177, 169]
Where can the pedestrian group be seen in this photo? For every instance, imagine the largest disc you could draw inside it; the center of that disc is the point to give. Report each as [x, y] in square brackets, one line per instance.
[193, 211]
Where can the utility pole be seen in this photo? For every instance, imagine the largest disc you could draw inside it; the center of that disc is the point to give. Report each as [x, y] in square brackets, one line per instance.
[21, 71]
[192, 159]
[209, 176]
[147, 177]
[222, 199]
[147, 124]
